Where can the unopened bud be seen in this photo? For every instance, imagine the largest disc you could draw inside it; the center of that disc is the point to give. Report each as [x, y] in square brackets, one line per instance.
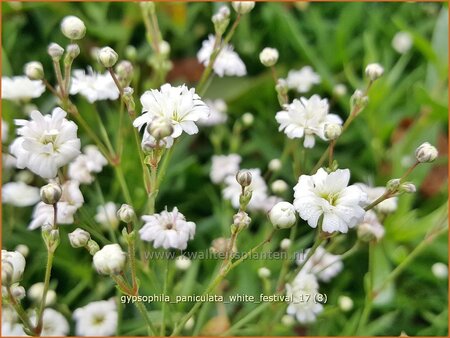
[51, 193]
[79, 238]
[130, 52]
[221, 20]
[408, 188]
[110, 260]
[345, 303]
[124, 71]
[275, 165]
[164, 48]
[73, 27]
[268, 56]
[279, 186]
[285, 244]
[183, 263]
[332, 131]
[244, 177]
[288, 320]
[374, 71]
[36, 291]
[18, 292]
[248, 119]
[160, 128]
[126, 213]
[393, 185]
[13, 266]
[92, 247]
[73, 50]
[23, 250]
[264, 273]
[426, 153]
[34, 70]
[107, 57]
[220, 245]
[241, 220]
[339, 90]
[440, 270]
[282, 215]
[243, 7]
[358, 101]
[282, 90]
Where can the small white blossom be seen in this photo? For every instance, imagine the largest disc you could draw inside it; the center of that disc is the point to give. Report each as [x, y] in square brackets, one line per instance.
[13, 266]
[329, 196]
[167, 229]
[285, 244]
[322, 264]
[275, 164]
[303, 79]
[248, 119]
[306, 118]
[370, 228]
[440, 270]
[223, 166]
[93, 86]
[96, 319]
[21, 88]
[227, 63]
[303, 290]
[36, 291]
[373, 193]
[109, 260]
[91, 161]
[279, 186]
[282, 215]
[54, 324]
[340, 89]
[218, 113]
[402, 42]
[20, 194]
[183, 263]
[107, 216]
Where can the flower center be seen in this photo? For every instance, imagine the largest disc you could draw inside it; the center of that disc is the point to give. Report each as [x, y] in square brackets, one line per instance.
[49, 136]
[98, 320]
[169, 226]
[331, 198]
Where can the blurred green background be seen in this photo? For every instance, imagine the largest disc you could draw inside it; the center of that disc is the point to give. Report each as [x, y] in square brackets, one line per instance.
[408, 106]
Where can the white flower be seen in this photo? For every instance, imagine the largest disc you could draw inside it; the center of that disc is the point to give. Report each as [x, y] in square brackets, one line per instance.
[285, 244]
[440, 270]
[223, 166]
[282, 215]
[93, 86]
[302, 80]
[19, 88]
[322, 264]
[54, 323]
[12, 330]
[345, 303]
[373, 193]
[402, 42]
[306, 118]
[71, 200]
[167, 229]
[370, 228]
[36, 291]
[73, 27]
[268, 56]
[46, 143]
[8, 161]
[180, 105]
[303, 292]
[279, 186]
[218, 113]
[264, 273]
[91, 161]
[227, 62]
[340, 89]
[107, 215]
[96, 319]
[374, 71]
[109, 260]
[20, 194]
[233, 190]
[275, 164]
[183, 263]
[328, 195]
[5, 128]
[13, 265]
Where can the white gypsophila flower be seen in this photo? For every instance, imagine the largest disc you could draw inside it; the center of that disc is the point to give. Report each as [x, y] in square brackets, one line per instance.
[340, 89]
[373, 193]
[282, 215]
[5, 129]
[54, 324]
[107, 215]
[20, 194]
[36, 291]
[110, 260]
[402, 42]
[279, 186]
[223, 166]
[258, 186]
[180, 105]
[370, 228]
[91, 161]
[439, 270]
[46, 143]
[227, 63]
[167, 229]
[302, 291]
[71, 200]
[264, 272]
[10, 329]
[329, 196]
[183, 263]
[8, 161]
[217, 113]
[285, 244]
[13, 266]
[322, 264]
[345, 303]
[21, 88]
[96, 319]
[303, 79]
[93, 86]
[306, 118]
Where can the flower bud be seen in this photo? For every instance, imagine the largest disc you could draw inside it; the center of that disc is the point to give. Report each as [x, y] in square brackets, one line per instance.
[279, 186]
[124, 71]
[358, 101]
[130, 52]
[275, 165]
[345, 303]
[160, 128]
[13, 265]
[34, 70]
[288, 320]
[365, 232]
[285, 244]
[332, 131]
[110, 260]
[248, 119]
[244, 177]
[268, 56]
[440, 270]
[73, 50]
[393, 185]
[189, 324]
[22, 249]
[148, 6]
[79, 238]
[73, 27]
[51, 193]
[92, 247]
[426, 153]
[264, 273]
[402, 42]
[282, 90]
[374, 71]
[282, 215]
[220, 245]
[107, 57]
[182, 263]
[36, 291]
[408, 188]
[221, 20]
[128, 97]
[126, 213]
[241, 220]
[164, 48]
[243, 7]
[18, 292]
[339, 90]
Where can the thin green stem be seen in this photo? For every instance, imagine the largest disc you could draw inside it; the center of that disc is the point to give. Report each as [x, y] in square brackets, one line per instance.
[151, 329]
[20, 311]
[162, 332]
[370, 283]
[286, 262]
[244, 320]
[48, 272]
[123, 184]
[59, 77]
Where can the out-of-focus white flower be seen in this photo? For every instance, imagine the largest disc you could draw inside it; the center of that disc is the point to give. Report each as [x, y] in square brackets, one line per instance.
[5, 128]
[426, 153]
[46, 143]
[13, 266]
[227, 63]
[264, 272]
[243, 7]
[23, 249]
[370, 228]
[340, 90]
[223, 166]
[54, 323]
[96, 319]
[71, 200]
[21, 88]
[180, 105]
[282, 215]
[285, 244]
[126, 213]
[20, 194]
[218, 113]
[306, 118]
[402, 42]
[302, 290]
[328, 196]
[183, 263]
[107, 216]
[12, 330]
[8, 161]
[73, 27]
[322, 264]
[93, 86]
[36, 291]
[279, 186]
[268, 56]
[91, 161]
[287, 320]
[303, 79]
[373, 193]
[345, 303]
[275, 164]
[440, 270]
[109, 260]
[167, 229]
[248, 119]
[374, 71]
